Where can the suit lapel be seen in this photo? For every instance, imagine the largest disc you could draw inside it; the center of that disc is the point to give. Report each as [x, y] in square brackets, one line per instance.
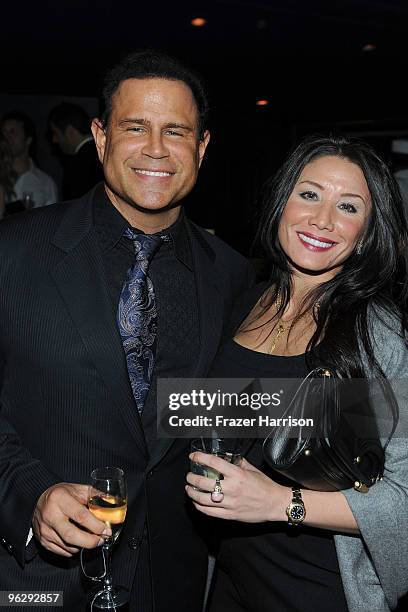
[210, 309]
[210, 305]
[80, 279]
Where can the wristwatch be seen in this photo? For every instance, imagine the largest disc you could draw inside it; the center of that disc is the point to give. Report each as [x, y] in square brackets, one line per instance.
[296, 511]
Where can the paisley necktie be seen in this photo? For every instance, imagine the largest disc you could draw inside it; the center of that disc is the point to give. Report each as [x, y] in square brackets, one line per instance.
[137, 315]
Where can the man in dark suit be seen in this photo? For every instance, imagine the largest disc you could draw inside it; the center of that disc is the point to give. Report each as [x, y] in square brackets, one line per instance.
[69, 125]
[67, 405]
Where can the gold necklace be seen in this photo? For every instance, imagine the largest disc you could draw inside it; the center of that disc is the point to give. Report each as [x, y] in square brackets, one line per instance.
[280, 329]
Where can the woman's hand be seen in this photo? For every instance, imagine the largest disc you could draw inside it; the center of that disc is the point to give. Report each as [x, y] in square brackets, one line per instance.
[249, 495]
[252, 497]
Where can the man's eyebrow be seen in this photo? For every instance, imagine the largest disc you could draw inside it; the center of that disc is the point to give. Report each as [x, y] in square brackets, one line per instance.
[147, 123]
[179, 126]
[138, 120]
[343, 195]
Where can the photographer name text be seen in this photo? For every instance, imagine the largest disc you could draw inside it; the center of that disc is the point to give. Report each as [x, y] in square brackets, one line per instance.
[221, 421]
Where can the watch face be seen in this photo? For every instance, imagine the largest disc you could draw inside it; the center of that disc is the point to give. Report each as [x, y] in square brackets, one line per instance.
[297, 512]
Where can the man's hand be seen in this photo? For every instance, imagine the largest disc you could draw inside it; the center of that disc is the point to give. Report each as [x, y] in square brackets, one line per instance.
[60, 513]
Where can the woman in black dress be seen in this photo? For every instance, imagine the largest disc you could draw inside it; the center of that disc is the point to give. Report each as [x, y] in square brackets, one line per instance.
[335, 233]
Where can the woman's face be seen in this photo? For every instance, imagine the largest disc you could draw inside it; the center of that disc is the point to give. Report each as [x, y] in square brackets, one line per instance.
[325, 215]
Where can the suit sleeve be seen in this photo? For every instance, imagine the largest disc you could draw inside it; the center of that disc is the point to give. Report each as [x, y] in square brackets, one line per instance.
[22, 480]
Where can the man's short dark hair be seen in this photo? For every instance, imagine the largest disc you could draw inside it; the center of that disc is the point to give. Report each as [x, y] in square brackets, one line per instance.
[155, 64]
[66, 114]
[27, 122]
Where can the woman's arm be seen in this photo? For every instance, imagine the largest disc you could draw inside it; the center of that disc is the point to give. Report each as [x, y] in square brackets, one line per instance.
[329, 511]
[251, 497]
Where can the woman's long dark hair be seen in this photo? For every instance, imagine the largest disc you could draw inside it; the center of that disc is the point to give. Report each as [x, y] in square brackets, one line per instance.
[375, 279]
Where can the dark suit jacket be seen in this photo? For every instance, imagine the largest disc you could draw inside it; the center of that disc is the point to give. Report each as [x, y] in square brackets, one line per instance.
[67, 406]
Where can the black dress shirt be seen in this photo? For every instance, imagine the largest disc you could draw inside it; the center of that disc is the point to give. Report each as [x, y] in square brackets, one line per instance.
[172, 273]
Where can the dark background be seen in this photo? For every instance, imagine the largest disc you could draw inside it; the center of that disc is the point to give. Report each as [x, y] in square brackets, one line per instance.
[309, 58]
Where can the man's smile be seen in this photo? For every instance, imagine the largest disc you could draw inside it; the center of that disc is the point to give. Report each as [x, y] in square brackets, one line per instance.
[155, 173]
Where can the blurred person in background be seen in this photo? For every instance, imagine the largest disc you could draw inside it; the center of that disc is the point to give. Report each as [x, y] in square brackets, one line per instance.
[30, 182]
[399, 152]
[70, 128]
[7, 175]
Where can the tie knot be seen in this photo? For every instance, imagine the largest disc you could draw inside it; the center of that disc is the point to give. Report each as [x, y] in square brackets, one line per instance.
[145, 245]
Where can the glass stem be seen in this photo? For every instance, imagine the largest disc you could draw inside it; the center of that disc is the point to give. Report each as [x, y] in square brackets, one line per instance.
[107, 553]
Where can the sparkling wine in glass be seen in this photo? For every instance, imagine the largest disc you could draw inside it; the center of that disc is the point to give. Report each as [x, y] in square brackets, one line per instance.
[111, 509]
[107, 500]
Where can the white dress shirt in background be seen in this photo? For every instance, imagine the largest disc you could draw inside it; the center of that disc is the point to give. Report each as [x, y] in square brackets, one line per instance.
[41, 188]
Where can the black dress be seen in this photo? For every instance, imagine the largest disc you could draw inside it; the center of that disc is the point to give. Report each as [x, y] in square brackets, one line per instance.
[272, 567]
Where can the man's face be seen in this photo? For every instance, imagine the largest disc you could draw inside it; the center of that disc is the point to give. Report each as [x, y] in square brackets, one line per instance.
[58, 137]
[150, 149]
[13, 131]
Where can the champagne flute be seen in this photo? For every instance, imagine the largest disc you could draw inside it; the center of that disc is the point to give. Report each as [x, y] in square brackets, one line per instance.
[107, 500]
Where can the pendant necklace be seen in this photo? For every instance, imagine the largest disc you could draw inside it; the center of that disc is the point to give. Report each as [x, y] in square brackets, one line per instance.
[279, 331]
[280, 328]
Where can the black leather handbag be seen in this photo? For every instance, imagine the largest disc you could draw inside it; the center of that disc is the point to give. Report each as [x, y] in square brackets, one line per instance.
[343, 448]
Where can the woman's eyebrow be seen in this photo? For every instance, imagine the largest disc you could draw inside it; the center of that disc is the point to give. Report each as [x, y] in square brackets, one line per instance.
[343, 195]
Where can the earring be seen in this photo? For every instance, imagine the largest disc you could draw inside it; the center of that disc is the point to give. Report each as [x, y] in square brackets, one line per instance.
[359, 246]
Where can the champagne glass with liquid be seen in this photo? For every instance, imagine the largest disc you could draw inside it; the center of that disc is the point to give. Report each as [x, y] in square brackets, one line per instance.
[107, 500]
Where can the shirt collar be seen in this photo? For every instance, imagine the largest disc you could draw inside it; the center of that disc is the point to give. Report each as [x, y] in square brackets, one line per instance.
[110, 226]
[81, 144]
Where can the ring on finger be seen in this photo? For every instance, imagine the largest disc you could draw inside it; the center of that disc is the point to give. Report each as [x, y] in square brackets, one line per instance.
[217, 494]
